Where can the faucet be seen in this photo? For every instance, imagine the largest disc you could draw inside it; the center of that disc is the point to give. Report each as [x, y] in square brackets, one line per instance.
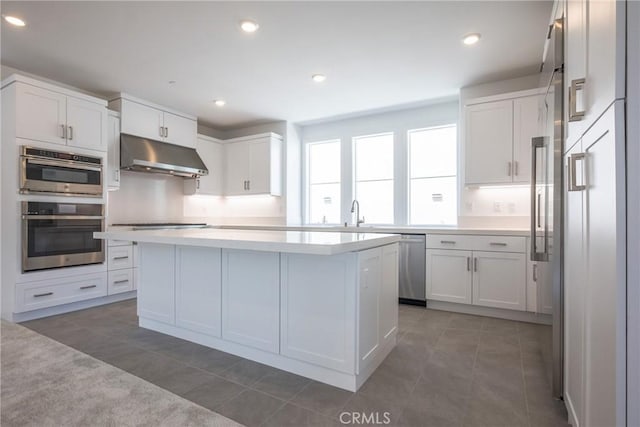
[355, 207]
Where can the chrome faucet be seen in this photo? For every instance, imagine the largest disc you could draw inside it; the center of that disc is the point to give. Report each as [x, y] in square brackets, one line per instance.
[355, 207]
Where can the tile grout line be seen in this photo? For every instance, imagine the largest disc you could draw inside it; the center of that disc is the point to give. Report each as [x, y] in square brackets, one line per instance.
[524, 379]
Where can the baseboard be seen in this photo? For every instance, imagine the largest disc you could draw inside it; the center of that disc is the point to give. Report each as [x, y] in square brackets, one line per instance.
[520, 316]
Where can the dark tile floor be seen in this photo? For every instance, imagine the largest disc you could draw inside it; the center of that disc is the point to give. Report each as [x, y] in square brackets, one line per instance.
[447, 370]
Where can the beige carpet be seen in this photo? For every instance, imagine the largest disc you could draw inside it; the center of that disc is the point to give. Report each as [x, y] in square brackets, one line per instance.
[45, 383]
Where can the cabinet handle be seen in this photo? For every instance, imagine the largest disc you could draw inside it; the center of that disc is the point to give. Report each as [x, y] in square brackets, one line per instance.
[468, 263]
[535, 272]
[70, 133]
[166, 132]
[161, 131]
[509, 168]
[249, 185]
[88, 286]
[197, 184]
[120, 257]
[497, 244]
[117, 282]
[447, 242]
[574, 114]
[63, 134]
[572, 181]
[46, 294]
[117, 177]
[475, 264]
[515, 168]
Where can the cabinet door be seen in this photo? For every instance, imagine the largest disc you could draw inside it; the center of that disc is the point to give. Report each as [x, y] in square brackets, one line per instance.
[199, 289]
[113, 153]
[212, 155]
[156, 286]
[180, 130]
[574, 298]
[489, 143]
[449, 275]
[259, 166]
[605, 293]
[389, 291]
[237, 168]
[500, 280]
[41, 114]
[369, 284]
[575, 62]
[86, 124]
[526, 125]
[251, 299]
[141, 120]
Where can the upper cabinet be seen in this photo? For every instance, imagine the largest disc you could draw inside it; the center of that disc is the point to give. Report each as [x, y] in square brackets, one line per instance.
[594, 61]
[253, 165]
[497, 134]
[47, 113]
[144, 119]
[211, 151]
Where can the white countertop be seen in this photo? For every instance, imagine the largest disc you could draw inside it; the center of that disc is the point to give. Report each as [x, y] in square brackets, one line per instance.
[392, 229]
[303, 242]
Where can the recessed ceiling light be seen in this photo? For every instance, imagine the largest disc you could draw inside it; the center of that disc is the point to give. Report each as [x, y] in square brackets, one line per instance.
[249, 26]
[172, 82]
[471, 39]
[220, 102]
[14, 21]
[319, 78]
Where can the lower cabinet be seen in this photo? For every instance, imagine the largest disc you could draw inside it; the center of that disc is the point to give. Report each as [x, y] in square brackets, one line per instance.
[470, 275]
[64, 290]
[156, 289]
[251, 298]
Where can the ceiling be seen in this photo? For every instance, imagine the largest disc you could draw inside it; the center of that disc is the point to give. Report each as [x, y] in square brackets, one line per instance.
[376, 55]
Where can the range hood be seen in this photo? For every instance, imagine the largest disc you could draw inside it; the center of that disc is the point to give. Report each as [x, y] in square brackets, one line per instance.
[147, 155]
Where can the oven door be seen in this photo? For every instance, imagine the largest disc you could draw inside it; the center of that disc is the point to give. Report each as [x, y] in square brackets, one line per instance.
[59, 176]
[52, 241]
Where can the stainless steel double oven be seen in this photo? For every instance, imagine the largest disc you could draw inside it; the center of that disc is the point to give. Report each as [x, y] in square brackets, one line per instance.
[60, 234]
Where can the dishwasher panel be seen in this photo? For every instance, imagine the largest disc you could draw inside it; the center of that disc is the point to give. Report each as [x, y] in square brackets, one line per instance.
[412, 269]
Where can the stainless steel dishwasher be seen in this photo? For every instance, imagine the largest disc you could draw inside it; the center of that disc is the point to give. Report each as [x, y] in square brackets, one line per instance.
[412, 269]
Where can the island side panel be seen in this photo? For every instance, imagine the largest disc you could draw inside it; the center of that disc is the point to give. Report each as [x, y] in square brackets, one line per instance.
[318, 302]
[156, 287]
[389, 291]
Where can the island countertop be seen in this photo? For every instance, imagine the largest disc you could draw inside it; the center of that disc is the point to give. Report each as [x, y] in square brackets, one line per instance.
[302, 242]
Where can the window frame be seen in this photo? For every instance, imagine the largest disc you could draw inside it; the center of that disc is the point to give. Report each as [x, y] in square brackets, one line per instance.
[307, 180]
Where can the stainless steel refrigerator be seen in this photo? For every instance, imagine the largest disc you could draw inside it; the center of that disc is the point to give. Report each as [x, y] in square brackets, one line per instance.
[547, 198]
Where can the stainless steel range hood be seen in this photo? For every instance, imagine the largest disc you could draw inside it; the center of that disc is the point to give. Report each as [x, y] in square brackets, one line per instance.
[147, 155]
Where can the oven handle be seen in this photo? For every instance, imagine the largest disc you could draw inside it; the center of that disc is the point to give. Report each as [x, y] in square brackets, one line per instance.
[61, 217]
[63, 163]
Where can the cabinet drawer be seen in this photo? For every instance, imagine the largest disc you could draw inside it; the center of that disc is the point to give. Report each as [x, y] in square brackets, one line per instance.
[477, 243]
[48, 293]
[120, 257]
[112, 242]
[120, 281]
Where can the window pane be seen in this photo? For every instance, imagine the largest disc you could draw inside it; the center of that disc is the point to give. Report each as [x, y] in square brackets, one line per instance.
[374, 157]
[324, 162]
[433, 201]
[376, 201]
[433, 152]
[324, 203]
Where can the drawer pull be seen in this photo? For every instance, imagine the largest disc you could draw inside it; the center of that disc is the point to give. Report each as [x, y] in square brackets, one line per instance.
[497, 244]
[121, 281]
[46, 294]
[88, 286]
[468, 263]
[475, 264]
[120, 257]
[448, 242]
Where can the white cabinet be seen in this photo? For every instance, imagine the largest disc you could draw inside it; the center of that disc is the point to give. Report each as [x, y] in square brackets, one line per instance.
[211, 151]
[156, 289]
[199, 289]
[147, 120]
[370, 283]
[498, 136]
[595, 288]
[46, 115]
[253, 165]
[113, 151]
[488, 271]
[449, 276]
[251, 299]
[121, 266]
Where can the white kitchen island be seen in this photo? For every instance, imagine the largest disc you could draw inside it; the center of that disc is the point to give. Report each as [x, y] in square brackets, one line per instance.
[321, 305]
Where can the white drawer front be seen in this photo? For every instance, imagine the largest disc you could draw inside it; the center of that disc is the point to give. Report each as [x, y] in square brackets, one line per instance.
[121, 281]
[477, 243]
[120, 257]
[111, 242]
[48, 293]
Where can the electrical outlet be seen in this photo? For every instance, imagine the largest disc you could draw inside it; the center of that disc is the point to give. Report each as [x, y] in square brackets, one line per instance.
[511, 207]
[469, 206]
[497, 206]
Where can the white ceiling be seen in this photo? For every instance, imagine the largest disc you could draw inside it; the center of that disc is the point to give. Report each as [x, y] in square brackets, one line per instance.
[376, 55]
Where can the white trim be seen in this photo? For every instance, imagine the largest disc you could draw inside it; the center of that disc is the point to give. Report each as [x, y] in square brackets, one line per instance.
[519, 316]
[505, 96]
[19, 78]
[131, 98]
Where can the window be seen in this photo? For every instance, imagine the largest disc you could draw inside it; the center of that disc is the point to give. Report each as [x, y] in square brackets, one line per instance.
[373, 160]
[323, 178]
[433, 160]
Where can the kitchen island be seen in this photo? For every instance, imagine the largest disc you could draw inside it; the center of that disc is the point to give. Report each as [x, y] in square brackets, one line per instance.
[317, 304]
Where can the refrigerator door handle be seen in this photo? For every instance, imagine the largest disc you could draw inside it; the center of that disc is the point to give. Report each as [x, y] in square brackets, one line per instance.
[536, 201]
